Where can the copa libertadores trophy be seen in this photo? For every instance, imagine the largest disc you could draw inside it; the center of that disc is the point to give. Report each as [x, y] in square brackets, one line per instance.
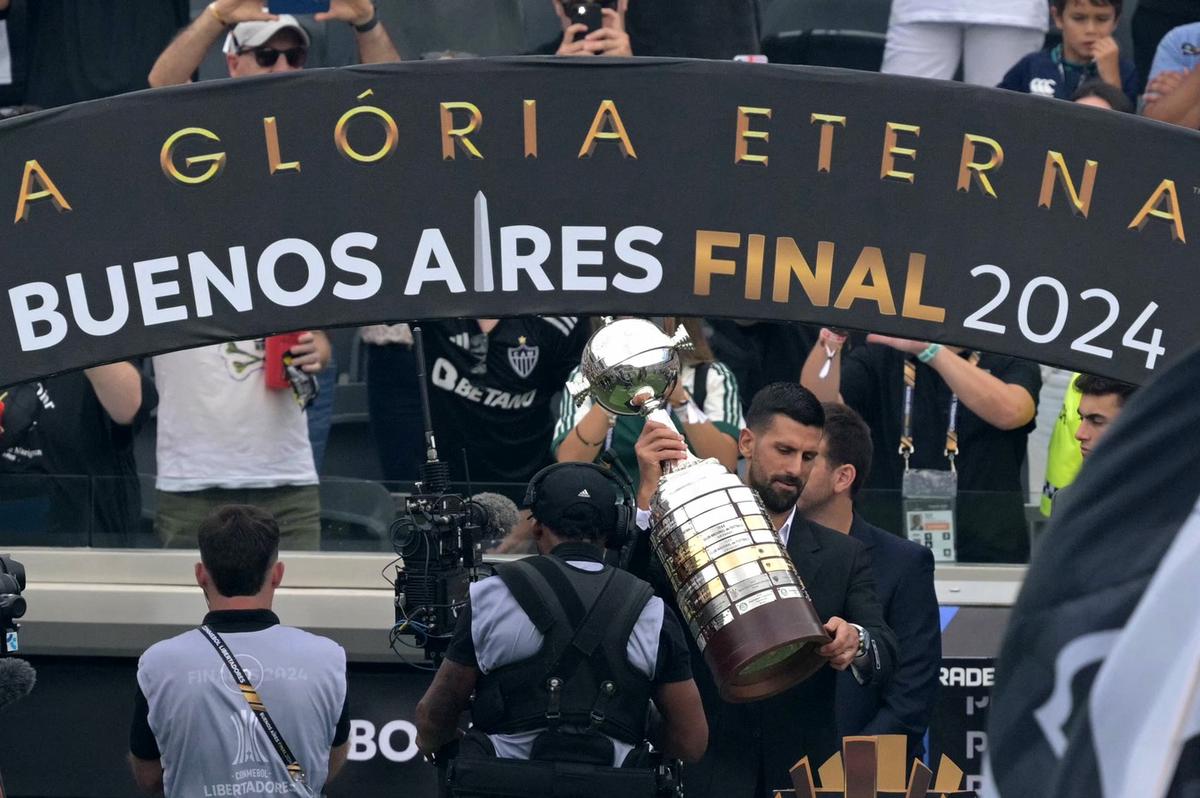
[734, 583]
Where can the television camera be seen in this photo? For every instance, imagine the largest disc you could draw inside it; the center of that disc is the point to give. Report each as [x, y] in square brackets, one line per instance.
[439, 538]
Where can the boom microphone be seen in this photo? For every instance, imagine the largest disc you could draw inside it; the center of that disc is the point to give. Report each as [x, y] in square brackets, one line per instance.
[17, 678]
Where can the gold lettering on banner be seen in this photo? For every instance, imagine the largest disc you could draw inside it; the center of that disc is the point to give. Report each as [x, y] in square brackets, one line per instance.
[878, 290]
[741, 145]
[1165, 191]
[452, 135]
[706, 264]
[790, 262]
[529, 108]
[914, 281]
[825, 151]
[607, 126]
[341, 138]
[969, 168]
[888, 170]
[166, 157]
[274, 161]
[755, 244]
[35, 174]
[1056, 167]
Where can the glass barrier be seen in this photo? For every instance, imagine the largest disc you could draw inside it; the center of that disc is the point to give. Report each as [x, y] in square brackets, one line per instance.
[357, 515]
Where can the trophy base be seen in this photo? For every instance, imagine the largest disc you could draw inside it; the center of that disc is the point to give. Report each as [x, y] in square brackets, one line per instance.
[764, 653]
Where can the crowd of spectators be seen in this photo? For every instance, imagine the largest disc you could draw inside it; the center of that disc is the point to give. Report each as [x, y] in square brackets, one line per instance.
[496, 385]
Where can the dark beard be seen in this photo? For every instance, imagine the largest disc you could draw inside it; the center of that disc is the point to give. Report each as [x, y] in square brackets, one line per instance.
[775, 499]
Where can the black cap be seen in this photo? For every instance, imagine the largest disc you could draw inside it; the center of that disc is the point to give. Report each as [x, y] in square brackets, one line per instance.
[577, 493]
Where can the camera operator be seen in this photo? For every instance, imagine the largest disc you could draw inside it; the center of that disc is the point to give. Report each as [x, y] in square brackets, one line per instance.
[564, 655]
[590, 27]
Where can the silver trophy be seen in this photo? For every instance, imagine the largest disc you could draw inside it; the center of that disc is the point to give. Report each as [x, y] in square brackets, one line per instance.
[734, 583]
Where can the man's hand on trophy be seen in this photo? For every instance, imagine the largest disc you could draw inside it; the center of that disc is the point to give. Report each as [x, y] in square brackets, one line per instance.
[658, 442]
[842, 649]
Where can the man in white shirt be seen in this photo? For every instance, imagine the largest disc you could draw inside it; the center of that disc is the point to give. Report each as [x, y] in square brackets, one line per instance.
[224, 437]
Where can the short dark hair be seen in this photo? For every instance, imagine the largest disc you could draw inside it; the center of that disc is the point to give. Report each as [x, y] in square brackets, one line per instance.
[788, 398]
[1105, 91]
[238, 545]
[848, 441]
[1061, 5]
[1091, 385]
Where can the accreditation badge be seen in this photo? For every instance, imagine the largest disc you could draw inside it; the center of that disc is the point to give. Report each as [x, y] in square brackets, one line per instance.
[929, 503]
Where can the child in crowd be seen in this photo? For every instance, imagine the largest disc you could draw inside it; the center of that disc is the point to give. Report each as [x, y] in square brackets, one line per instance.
[1088, 51]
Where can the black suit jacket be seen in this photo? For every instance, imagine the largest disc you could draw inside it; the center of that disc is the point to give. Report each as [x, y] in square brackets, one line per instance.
[752, 746]
[903, 573]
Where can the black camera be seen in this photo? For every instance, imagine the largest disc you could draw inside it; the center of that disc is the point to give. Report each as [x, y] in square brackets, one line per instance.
[439, 536]
[12, 603]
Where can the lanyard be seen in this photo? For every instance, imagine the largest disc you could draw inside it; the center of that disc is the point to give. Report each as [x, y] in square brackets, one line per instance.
[295, 771]
[907, 449]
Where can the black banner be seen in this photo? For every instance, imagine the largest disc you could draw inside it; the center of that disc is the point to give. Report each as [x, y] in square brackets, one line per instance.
[932, 210]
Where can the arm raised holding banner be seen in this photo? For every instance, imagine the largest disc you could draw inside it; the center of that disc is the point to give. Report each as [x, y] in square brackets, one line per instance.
[1003, 405]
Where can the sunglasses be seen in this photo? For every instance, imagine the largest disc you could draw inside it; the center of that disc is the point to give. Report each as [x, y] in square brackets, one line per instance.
[266, 57]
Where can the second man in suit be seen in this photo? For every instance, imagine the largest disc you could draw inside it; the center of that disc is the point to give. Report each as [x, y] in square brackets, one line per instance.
[752, 746]
[903, 573]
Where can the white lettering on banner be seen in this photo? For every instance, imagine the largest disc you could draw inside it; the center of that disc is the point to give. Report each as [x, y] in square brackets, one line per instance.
[150, 291]
[977, 703]
[1057, 297]
[968, 677]
[433, 246]
[364, 746]
[526, 254]
[513, 261]
[83, 315]
[41, 324]
[976, 744]
[268, 268]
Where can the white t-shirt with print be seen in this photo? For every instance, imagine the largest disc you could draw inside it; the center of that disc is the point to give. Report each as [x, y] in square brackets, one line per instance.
[219, 426]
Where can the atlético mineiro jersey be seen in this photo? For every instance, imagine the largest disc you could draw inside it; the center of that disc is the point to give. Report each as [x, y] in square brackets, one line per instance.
[491, 394]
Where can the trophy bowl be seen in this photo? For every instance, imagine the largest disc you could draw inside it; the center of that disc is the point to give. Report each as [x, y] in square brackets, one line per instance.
[630, 365]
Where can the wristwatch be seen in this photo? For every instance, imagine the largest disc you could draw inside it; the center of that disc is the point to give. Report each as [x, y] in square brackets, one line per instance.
[862, 641]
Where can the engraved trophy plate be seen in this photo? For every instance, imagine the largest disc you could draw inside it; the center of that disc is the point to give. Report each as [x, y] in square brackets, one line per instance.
[734, 583]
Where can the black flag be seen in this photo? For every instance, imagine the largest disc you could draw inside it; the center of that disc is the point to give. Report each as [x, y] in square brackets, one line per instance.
[1098, 685]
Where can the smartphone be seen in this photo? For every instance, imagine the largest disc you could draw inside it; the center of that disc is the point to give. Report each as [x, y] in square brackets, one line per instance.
[276, 347]
[589, 14]
[297, 6]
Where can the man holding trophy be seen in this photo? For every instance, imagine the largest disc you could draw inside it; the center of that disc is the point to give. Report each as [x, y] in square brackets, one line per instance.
[769, 598]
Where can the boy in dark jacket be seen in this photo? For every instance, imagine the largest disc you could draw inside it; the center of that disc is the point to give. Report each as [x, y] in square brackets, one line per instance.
[1088, 51]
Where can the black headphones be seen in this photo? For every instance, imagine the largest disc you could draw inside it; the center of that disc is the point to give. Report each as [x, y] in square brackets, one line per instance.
[623, 529]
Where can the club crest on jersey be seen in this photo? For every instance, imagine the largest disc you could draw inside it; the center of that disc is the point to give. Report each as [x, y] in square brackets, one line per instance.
[523, 358]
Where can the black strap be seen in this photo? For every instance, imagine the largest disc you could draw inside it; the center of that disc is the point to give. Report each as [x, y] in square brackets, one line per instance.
[295, 771]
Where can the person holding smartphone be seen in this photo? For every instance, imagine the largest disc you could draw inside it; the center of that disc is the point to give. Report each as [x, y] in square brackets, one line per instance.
[590, 27]
[258, 41]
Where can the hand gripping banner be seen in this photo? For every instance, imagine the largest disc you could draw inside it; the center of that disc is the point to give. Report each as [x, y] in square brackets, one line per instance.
[481, 188]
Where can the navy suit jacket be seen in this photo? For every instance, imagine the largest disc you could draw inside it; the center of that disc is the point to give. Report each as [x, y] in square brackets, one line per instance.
[752, 746]
[903, 573]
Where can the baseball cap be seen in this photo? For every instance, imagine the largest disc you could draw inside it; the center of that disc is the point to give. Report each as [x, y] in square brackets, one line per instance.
[576, 492]
[248, 35]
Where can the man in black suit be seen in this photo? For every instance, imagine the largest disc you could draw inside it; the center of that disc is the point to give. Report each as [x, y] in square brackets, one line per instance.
[752, 746]
[903, 573]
